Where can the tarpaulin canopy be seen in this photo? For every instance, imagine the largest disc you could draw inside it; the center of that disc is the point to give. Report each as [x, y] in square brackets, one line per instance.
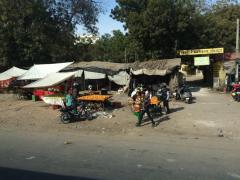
[12, 72]
[39, 71]
[79, 73]
[150, 72]
[122, 78]
[94, 75]
[157, 67]
[51, 80]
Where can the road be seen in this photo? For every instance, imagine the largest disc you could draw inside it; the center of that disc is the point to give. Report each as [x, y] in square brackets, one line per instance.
[36, 155]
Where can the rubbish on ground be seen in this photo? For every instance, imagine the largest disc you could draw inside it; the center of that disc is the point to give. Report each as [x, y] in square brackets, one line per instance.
[67, 142]
[31, 157]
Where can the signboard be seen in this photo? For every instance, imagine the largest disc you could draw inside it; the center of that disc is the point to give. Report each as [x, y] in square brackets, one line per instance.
[201, 61]
[201, 51]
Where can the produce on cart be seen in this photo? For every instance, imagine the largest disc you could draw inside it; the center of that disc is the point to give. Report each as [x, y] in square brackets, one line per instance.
[96, 102]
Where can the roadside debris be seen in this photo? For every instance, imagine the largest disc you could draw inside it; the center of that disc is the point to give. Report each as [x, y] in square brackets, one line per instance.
[67, 142]
[31, 157]
[220, 133]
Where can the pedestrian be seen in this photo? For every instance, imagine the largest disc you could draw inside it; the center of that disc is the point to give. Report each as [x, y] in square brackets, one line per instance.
[145, 109]
[137, 101]
[166, 97]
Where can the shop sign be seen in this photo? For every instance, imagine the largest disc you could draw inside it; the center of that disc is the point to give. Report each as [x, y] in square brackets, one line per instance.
[201, 61]
[201, 51]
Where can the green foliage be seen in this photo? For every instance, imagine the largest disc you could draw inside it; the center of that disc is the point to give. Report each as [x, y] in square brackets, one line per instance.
[162, 26]
[42, 31]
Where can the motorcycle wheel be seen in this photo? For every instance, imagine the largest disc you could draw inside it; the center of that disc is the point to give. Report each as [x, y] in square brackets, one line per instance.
[189, 101]
[65, 118]
[89, 116]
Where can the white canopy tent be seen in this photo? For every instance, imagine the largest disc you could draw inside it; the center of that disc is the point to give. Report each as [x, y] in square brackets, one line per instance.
[94, 75]
[122, 78]
[39, 71]
[12, 72]
[51, 80]
[79, 73]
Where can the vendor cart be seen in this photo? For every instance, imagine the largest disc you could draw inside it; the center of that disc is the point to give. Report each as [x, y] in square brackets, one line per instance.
[95, 101]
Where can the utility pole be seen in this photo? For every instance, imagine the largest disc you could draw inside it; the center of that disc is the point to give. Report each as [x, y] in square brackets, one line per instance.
[125, 55]
[237, 37]
[237, 51]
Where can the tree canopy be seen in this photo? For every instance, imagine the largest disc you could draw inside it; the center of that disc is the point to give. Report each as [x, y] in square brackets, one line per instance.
[163, 26]
[41, 31]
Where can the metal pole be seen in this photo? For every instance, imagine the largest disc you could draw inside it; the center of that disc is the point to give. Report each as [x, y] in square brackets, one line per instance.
[237, 37]
[237, 50]
[125, 55]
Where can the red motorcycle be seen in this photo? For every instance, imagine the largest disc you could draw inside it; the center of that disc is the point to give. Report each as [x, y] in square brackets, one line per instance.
[236, 92]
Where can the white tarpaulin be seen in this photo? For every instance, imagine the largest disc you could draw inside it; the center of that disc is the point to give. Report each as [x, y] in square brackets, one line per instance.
[150, 72]
[10, 73]
[54, 100]
[94, 75]
[51, 80]
[79, 73]
[41, 70]
[122, 78]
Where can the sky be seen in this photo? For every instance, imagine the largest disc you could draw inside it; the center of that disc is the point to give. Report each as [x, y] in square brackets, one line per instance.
[106, 24]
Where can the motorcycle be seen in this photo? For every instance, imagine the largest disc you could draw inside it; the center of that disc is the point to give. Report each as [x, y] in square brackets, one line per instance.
[236, 92]
[68, 115]
[184, 93]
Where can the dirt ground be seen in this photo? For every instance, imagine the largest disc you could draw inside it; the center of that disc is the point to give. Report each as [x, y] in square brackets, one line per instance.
[211, 114]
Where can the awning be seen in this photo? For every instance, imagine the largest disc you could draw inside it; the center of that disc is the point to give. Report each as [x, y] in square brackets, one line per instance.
[151, 72]
[10, 73]
[122, 78]
[41, 70]
[157, 67]
[94, 75]
[51, 80]
[79, 73]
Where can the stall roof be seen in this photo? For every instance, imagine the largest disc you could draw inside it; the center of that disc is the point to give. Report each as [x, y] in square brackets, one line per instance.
[51, 80]
[94, 75]
[12, 72]
[156, 67]
[108, 68]
[39, 71]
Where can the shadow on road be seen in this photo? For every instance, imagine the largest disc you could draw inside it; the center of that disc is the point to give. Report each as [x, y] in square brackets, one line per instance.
[18, 174]
[176, 109]
[157, 120]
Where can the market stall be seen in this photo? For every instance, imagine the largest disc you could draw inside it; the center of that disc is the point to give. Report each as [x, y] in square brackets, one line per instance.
[96, 102]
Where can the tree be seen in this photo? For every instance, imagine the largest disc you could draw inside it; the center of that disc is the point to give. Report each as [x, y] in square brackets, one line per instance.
[220, 26]
[159, 25]
[42, 31]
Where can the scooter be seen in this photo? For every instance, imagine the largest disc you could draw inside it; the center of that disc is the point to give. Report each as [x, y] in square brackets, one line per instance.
[236, 92]
[184, 93]
[68, 115]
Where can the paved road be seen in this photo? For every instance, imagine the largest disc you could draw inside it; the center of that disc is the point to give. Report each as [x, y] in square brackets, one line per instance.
[35, 155]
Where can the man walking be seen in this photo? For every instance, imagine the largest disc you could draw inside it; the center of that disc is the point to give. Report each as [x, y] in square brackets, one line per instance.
[145, 109]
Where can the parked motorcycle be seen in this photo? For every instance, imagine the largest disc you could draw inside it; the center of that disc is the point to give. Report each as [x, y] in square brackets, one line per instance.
[184, 93]
[68, 115]
[236, 92]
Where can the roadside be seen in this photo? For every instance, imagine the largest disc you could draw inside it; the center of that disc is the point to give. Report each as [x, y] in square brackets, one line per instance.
[212, 114]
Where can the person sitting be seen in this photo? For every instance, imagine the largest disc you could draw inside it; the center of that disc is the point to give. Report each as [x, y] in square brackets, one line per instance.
[69, 99]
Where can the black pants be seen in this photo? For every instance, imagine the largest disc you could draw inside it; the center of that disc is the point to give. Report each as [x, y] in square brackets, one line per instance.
[166, 106]
[74, 105]
[142, 114]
